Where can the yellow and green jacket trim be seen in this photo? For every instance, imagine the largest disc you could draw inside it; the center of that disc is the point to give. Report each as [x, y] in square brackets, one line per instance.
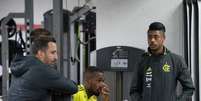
[81, 95]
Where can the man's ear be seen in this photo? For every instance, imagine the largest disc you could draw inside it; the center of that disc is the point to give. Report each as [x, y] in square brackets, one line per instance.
[88, 81]
[40, 53]
[87, 84]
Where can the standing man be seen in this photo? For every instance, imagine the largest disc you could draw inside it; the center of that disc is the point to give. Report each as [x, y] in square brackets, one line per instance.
[94, 86]
[33, 77]
[159, 70]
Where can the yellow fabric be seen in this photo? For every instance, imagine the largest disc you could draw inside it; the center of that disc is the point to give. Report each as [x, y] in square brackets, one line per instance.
[81, 95]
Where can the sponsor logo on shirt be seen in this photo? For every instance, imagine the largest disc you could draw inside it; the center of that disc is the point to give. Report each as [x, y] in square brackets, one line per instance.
[166, 67]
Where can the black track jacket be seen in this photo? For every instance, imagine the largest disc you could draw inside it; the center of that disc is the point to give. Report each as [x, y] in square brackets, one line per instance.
[156, 78]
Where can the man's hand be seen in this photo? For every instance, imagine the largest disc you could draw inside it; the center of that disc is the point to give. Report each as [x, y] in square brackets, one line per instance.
[105, 91]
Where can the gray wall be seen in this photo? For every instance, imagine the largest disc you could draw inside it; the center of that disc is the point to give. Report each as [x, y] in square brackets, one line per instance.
[125, 22]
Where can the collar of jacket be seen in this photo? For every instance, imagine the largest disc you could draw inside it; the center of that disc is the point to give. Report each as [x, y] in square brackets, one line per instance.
[165, 51]
[81, 87]
[83, 91]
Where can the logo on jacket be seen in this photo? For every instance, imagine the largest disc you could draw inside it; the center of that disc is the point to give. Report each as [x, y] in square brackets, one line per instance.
[166, 67]
[148, 77]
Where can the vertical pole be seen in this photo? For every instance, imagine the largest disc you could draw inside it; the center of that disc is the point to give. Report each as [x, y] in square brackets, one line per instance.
[82, 53]
[119, 85]
[199, 48]
[5, 59]
[29, 21]
[58, 34]
[66, 52]
[73, 52]
[58, 30]
[196, 50]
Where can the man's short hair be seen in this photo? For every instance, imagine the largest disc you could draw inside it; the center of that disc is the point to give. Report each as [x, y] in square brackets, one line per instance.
[39, 32]
[90, 73]
[41, 43]
[157, 26]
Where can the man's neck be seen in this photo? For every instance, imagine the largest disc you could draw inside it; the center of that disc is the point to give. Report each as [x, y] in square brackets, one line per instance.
[89, 93]
[158, 52]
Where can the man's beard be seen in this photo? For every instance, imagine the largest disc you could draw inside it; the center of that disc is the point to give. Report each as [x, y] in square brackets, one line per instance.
[96, 93]
[92, 92]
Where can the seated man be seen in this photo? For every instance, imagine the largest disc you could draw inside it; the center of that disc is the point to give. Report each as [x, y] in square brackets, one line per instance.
[93, 86]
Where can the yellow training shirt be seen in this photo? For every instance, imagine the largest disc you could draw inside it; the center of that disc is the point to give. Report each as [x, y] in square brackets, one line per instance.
[81, 95]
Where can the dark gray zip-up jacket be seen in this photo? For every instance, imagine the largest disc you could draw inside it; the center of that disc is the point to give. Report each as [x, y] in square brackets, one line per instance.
[156, 78]
[32, 80]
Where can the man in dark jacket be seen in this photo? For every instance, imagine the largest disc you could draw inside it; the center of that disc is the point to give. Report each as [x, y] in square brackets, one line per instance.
[159, 70]
[33, 77]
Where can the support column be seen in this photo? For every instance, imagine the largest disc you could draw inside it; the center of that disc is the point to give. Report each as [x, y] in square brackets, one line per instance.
[29, 21]
[58, 30]
[5, 60]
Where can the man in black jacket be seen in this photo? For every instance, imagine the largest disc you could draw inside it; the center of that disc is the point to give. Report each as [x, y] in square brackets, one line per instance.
[33, 77]
[159, 70]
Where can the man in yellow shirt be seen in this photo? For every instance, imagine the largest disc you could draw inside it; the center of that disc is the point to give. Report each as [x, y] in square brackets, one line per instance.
[94, 86]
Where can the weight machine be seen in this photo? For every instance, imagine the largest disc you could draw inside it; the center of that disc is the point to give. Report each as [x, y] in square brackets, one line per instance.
[28, 17]
[66, 42]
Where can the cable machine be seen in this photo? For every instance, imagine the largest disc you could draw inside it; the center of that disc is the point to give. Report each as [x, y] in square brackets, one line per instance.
[28, 17]
[67, 40]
